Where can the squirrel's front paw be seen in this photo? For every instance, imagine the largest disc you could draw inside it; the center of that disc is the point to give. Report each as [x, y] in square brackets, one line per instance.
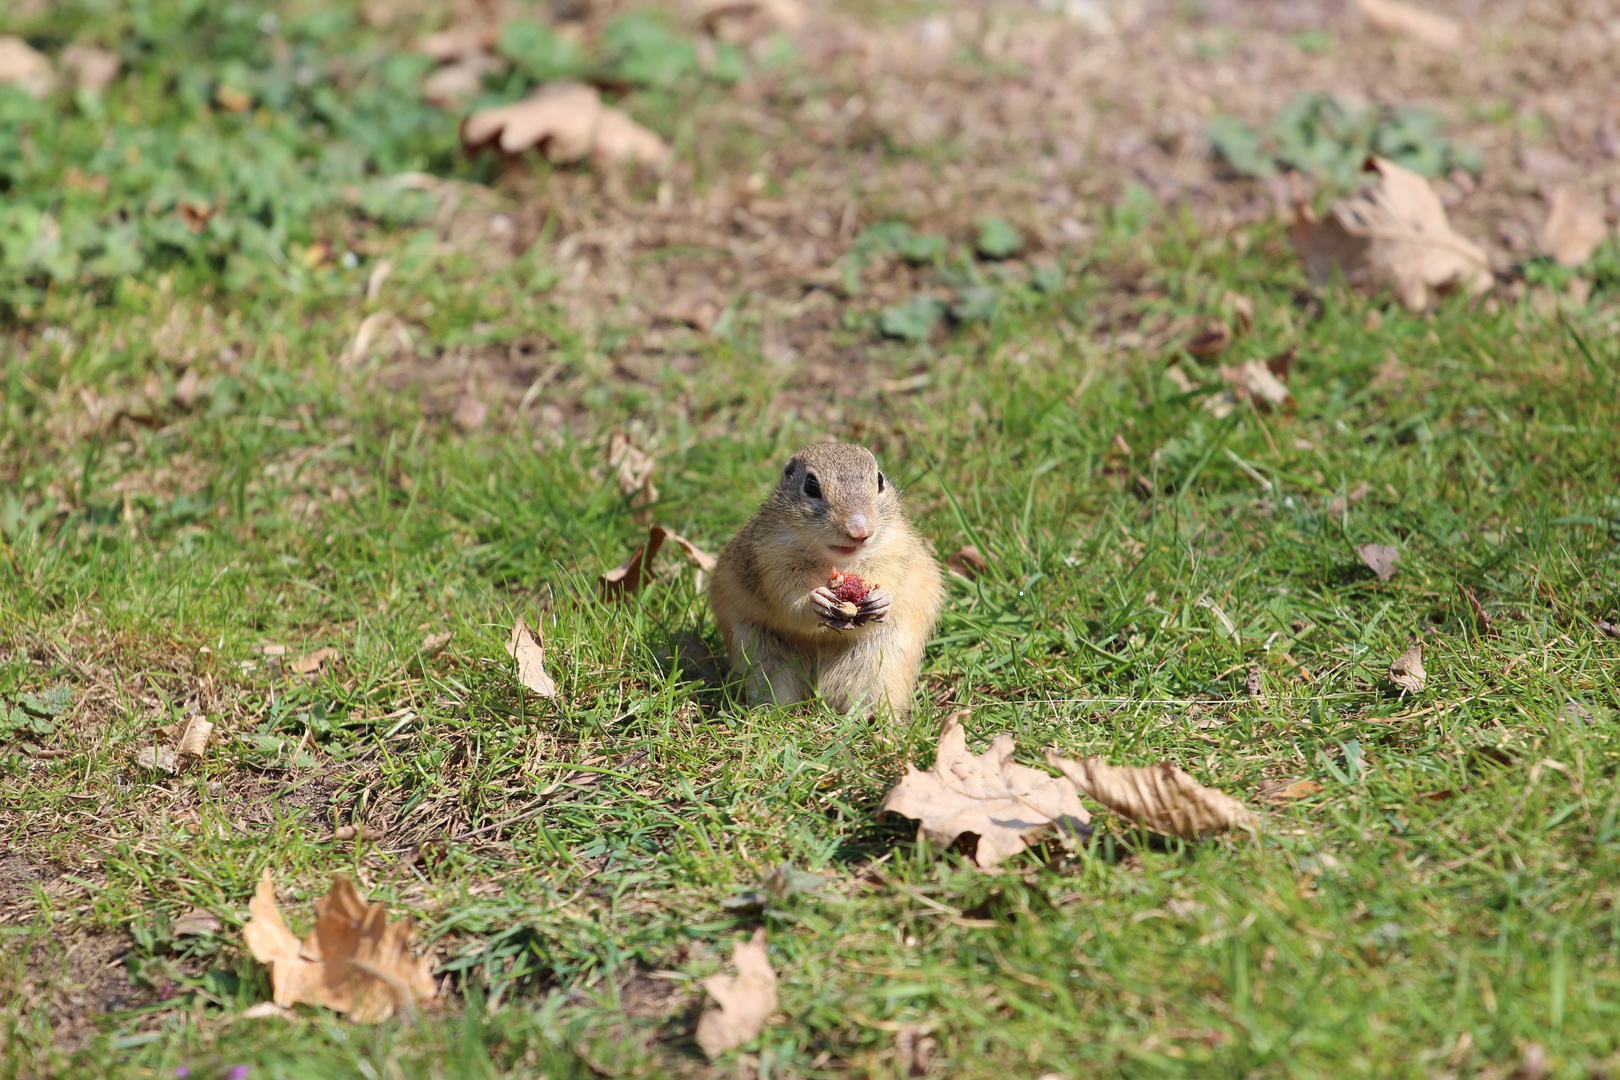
[832, 610]
[875, 608]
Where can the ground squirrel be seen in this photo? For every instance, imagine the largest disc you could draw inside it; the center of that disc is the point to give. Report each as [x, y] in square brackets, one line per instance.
[788, 635]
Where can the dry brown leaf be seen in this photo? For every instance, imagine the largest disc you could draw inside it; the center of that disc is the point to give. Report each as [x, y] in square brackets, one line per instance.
[1392, 234]
[313, 663]
[700, 558]
[527, 647]
[634, 475]
[447, 46]
[160, 758]
[636, 571]
[1299, 789]
[746, 1000]
[1254, 684]
[196, 921]
[25, 67]
[454, 83]
[1482, 621]
[354, 960]
[737, 21]
[1253, 381]
[1608, 629]
[470, 413]
[1380, 559]
[263, 1011]
[565, 121]
[193, 741]
[345, 833]
[1210, 341]
[90, 68]
[697, 310]
[968, 561]
[1406, 670]
[1574, 228]
[434, 642]
[1404, 20]
[990, 796]
[1161, 798]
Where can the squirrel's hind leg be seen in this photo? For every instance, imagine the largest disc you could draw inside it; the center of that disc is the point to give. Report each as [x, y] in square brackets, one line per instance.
[773, 673]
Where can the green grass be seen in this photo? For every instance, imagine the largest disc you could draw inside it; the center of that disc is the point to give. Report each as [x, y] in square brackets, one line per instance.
[1448, 898]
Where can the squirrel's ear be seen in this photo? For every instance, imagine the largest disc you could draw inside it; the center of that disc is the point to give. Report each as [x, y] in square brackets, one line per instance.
[787, 470]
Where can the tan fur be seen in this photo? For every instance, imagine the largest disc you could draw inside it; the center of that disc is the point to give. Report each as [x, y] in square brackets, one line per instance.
[761, 589]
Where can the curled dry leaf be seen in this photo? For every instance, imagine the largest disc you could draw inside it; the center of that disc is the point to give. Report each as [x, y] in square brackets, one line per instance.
[1393, 235]
[1574, 228]
[525, 646]
[1257, 381]
[1299, 789]
[90, 68]
[746, 1000]
[25, 67]
[193, 739]
[738, 21]
[565, 121]
[636, 571]
[1404, 20]
[313, 663]
[1380, 559]
[353, 960]
[1160, 798]
[1406, 670]
[1210, 341]
[990, 796]
[968, 561]
[634, 476]
[196, 922]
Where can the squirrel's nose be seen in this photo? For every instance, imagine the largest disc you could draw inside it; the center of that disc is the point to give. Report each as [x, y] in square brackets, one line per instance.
[858, 528]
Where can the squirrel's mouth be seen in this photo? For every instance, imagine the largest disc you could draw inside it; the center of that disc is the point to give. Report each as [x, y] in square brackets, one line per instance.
[844, 552]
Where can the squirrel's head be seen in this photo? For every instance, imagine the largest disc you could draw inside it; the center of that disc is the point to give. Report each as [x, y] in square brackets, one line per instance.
[836, 493]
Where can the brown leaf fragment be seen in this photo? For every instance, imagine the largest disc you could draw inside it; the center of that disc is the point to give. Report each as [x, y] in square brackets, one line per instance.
[313, 663]
[746, 1000]
[345, 833]
[990, 796]
[700, 558]
[1406, 670]
[915, 1048]
[1392, 234]
[1608, 629]
[636, 571]
[737, 21]
[1252, 381]
[697, 310]
[1210, 341]
[25, 67]
[193, 741]
[158, 758]
[634, 476]
[455, 82]
[1254, 684]
[526, 647]
[1299, 789]
[1282, 364]
[90, 68]
[1575, 226]
[434, 642]
[968, 561]
[1404, 20]
[470, 413]
[1482, 620]
[565, 121]
[353, 961]
[447, 46]
[196, 922]
[1380, 559]
[1160, 798]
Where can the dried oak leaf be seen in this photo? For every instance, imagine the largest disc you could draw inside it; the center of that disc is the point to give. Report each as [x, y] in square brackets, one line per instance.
[565, 121]
[629, 576]
[968, 561]
[1161, 798]
[196, 922]
[354, 960]
[25, 67]
[990, 796]
[746, 999]
[1391, 234]
[1574, 228]
[1406, 670]
[525, 646]
[1380, 559]
[1404, 20]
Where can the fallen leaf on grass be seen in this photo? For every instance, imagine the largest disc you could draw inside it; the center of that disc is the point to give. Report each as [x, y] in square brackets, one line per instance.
[565, 121]
[1574, 226]
[990, 796]
[1392, 234]
[1160, 798]
[1393, 17]
[629, 576]
[157, 758]
[746, 1000]
[1254, 684]
[434, 642]
[1482, 621]
[1380, 559]
[1406, 670]
[1608, 629]
[696, 310]
[737, 21]
[263, 1011]
[25, 67]
[634, 476]
[1210, 341]
[459, 80]
[196, 922]
[193, 739]
[525, 646]
[353, 960]
[968, 561]
[313, 663]
[1260, 382]
[90, 68]
[1299, 789]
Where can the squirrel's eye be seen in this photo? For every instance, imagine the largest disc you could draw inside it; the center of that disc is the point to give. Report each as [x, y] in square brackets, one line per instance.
[880, 481]
[812, 486]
